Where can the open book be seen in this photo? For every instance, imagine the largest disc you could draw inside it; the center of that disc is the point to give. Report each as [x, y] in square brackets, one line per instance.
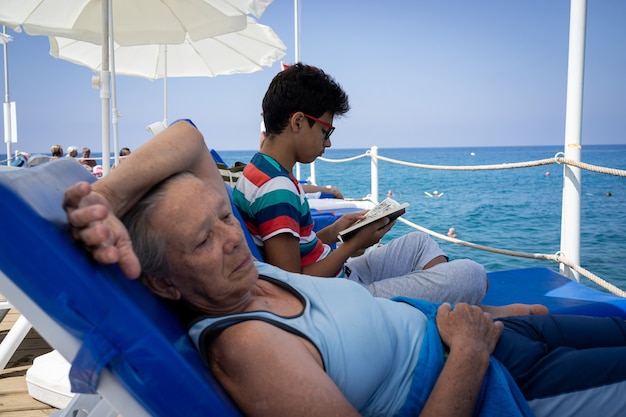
[387, 208]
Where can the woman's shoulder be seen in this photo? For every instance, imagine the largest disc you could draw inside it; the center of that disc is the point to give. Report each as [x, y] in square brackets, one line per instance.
[252, 339]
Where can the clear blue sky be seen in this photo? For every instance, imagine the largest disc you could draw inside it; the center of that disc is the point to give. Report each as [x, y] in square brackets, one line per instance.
[418, 73]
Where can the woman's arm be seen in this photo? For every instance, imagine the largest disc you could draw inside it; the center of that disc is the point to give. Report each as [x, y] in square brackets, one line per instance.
[178, 148]
[93, 210]
[271, 373]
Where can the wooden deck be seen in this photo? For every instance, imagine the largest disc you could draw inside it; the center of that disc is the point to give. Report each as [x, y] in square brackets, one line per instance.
[14, 398]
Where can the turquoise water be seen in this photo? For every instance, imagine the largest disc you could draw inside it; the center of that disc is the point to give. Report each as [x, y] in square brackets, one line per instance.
[515, 209]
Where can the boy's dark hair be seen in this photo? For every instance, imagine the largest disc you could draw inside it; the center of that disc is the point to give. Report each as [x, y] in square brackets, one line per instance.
[301, 88]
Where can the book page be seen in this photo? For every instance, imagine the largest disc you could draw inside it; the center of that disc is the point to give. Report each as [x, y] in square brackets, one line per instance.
[386, 208]
[388, 205]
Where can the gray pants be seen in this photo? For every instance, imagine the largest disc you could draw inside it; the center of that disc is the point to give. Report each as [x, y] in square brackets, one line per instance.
[397, 269]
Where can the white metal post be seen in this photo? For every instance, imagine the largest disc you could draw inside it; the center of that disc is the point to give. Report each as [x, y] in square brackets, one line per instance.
[296, 31]
[570, 214]
[164, 49]
[313, 173]
[374, 172]
[9, 109]
[105, 91]
[115, 115]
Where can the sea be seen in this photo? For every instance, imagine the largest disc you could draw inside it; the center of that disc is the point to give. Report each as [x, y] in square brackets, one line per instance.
[514, 209]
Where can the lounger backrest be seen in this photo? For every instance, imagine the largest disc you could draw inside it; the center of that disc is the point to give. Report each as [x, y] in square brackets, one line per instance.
[229, 182]
[249, 240]
[123, 327]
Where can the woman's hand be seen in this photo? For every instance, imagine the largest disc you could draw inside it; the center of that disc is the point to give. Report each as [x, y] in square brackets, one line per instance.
[471, 335]
[468, 326]
[102, 234]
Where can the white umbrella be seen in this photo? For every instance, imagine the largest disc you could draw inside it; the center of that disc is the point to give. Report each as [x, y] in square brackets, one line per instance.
[136, 22]
[245, 51]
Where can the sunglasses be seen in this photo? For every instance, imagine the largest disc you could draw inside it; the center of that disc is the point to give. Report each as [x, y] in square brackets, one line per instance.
[328, 126]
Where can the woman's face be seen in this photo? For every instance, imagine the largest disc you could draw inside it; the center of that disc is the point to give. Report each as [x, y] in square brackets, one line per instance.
[211, 266]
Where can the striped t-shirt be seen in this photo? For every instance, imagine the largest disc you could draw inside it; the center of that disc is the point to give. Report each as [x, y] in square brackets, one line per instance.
[271, 202]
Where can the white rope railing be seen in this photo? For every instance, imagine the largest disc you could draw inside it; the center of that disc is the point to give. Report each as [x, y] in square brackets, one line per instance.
[558, 257]
[557, 159]
[338, 161]
[593, 168]
[527, 164]
[468, 167]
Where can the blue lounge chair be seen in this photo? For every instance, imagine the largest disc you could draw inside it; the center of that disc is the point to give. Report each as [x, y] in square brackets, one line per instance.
[123, 343]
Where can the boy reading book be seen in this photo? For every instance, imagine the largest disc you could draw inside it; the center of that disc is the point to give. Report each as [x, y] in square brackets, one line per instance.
[298, 111]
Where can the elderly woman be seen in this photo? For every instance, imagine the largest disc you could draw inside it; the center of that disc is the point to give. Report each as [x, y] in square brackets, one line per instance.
[284, 344]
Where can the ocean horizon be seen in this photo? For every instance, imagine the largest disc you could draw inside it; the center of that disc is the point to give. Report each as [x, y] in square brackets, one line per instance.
[514, 209]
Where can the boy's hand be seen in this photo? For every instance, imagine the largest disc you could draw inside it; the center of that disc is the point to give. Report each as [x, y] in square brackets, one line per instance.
[372, 233]
[348, 220]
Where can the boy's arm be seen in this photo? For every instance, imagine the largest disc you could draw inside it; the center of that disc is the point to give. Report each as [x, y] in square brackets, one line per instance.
[283, 250]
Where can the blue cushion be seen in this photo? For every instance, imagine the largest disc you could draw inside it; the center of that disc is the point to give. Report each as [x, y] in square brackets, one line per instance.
[545, 286]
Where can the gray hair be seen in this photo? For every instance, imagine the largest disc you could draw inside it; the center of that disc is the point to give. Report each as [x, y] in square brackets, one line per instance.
[148, 243]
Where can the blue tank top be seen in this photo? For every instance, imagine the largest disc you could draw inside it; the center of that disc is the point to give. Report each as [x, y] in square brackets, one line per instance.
[370, 346]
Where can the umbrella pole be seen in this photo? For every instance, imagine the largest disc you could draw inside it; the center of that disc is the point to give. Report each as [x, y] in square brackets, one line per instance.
[115, 113]
[105, 92]
[164, 85]
[7, 101]
[296, 30]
